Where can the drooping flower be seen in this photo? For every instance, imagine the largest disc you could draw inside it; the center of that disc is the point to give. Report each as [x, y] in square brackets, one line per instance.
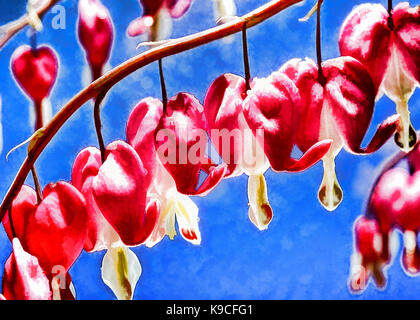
[371, 254]
[23, 278]
[395, 203]
[169, 141]
[253, 130]
[35, 70]
[389, 47]
[53, 230]
[119, 214]
[115, 190]
[337, 104]
[95, 30]
[156, 20]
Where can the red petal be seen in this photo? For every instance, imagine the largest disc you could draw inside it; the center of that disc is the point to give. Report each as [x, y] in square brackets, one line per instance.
[22, 209]
[120, 191]
[311, 156]
[407, 37]
[56, 232]
[85, 168]
[185, 127]
[23, 278]
[222, 107]
[140, 130]
[351, 98]
[304, 73]
[365, 36]
[35, 70]
[270, 108]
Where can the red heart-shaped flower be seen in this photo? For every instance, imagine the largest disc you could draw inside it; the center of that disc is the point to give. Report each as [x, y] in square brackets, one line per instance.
[53, 230]
[35, 70]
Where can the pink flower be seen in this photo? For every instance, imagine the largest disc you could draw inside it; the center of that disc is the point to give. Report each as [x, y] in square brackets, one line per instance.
[389, 48]
[157, 18]
[255, 129]
[95, 34]
[395, 203]
[119, 212]
[338, 107]
[23, 278]
[35, 70]
[174, 143]
[116, 191]
[371, 256]
[54, 230]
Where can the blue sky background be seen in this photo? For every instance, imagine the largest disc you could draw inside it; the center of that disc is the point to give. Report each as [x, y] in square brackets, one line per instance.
[304, 254]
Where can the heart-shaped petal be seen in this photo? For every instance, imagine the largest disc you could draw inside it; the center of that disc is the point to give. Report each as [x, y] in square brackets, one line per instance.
[140, 130]
[100, 234]
[181, 143]
[120, 190]
[365, 35]
[222, 107]
[269, 108]
[395, 200]
[407, 37]
[54, 230]
[35, 70]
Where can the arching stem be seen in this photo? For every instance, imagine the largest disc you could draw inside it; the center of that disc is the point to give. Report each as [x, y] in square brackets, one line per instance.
[246, 58]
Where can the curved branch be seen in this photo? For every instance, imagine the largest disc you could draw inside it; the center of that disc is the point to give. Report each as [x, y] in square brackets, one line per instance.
[108, 80]
[7, 31]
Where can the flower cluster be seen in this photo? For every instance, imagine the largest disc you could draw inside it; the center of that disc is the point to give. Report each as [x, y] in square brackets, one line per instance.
[134, 191]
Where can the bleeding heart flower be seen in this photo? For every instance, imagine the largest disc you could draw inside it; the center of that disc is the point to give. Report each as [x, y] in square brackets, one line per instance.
[256, 129]
[116, 189]
[35, 70]
[157, 18]
[23, 278]
[338, 107]
[95, 34]
[119, 213]
[53, 230]
[181, 142]
[371, 254]
[100, 234]
[395, 202]
[147, 127]
[389, 47]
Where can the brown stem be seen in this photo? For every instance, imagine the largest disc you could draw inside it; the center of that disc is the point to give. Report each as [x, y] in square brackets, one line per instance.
[39, 121]
[163, 86]
[246, 58]
[12, 28]
[12, 227]
[321, 77]
[37, 185]
[390, 20]
[126, 68]
[98, 123]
